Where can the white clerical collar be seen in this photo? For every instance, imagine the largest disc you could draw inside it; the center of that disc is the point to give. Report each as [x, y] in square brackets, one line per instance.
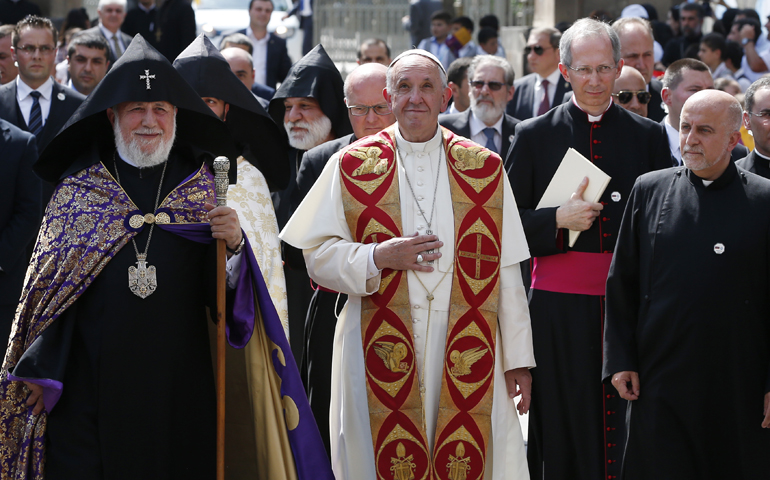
[413, 147]
[760, 155]
[592, 118]
[23, 90]
[147, 10]
[477, 125]
[552, 78]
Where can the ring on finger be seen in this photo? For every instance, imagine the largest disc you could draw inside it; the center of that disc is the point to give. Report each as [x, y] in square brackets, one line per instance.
[419, 258]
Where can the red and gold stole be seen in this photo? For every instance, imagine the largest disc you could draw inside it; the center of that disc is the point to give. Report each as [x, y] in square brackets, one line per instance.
[370, 195]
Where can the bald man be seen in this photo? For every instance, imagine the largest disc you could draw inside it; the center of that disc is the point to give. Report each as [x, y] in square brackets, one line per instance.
[368, 113]
[630, 91]
[688, 308]
[242, 65]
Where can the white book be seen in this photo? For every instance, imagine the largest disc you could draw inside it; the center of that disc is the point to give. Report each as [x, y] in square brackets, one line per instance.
[573, 168]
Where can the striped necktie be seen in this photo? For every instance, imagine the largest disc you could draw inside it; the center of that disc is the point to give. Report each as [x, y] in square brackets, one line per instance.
[118, 51]
[35, 114]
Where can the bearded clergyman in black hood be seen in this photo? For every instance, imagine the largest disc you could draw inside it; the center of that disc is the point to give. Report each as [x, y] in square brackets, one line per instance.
[108, 372]
[310, 104]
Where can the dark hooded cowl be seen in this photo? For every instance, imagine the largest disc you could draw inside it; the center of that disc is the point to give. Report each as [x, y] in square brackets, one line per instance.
[208, 72]
[315, 76]
[88, 128]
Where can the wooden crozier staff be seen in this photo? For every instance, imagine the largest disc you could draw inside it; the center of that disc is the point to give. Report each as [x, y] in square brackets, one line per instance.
[221, 166]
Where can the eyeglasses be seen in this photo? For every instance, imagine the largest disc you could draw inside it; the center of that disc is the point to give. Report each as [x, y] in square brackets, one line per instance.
[764, 114]
[625, 96]
[536, 48]
[586, 71]
[363, 110]
[494, 86]
[30, 49]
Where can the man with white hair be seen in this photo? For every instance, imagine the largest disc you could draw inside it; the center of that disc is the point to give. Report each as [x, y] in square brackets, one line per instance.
[419, 227]
[112, 13]
[576, 427]
[688, 302]
[485, 122]
[123, 273]
[310, 105]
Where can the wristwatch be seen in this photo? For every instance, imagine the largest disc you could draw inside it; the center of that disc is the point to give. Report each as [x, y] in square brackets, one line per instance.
[238, 249]
[746, 41]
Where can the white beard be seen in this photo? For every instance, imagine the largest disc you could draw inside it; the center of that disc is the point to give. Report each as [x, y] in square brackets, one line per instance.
[489, 114]
[132, 151]
[317, 132]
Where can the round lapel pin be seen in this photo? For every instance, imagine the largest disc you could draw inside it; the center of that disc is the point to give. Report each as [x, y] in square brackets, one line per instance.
[719, 248]
[615, 196]
[61, 96]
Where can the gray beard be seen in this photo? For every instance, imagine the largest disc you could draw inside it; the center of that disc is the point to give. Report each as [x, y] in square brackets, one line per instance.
[132, 152]
[486, 113]
[317, 132]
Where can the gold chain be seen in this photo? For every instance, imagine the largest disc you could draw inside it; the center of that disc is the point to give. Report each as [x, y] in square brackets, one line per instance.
[430, 298]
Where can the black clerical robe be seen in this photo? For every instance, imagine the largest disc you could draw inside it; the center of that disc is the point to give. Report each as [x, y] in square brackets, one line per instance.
[138, 398]
[754, 163]
[688, 308]
[576, 427]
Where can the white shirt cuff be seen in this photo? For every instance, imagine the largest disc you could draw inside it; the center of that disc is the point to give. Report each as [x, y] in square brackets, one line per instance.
[371, 268]
[233, 269]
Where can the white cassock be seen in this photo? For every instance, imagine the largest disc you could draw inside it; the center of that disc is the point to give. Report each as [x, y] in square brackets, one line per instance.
[335, 261]
[250, 198]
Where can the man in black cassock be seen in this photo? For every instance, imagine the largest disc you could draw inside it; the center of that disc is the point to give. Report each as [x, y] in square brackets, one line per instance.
[576, 427]
[755, 120]
[688, 308]
[311, 107]
[115, 356]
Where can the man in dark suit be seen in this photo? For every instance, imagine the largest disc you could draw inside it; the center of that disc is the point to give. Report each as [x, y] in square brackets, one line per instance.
[368, 113]
[420, 12]
[543, 89]
[755, 120]
[271, 59]
[637, 50]
[112, 13]
[20, 213]
[143, 19]
[485, 122]
[683, 79]
[34, 102]
[176, 23]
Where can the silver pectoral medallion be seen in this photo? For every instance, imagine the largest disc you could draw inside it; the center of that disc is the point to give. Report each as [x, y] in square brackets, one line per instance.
[142, 280]
[429, 232]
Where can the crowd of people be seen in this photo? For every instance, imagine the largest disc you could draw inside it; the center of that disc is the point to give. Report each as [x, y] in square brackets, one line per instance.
[393, 281]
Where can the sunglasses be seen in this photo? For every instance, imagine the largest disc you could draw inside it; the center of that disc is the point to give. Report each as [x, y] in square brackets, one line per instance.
[626, 96]
[494, 86]
[537, 49]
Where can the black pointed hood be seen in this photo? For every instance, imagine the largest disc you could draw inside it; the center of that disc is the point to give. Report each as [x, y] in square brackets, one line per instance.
[141, 74]
[208, 72]
[315, 76]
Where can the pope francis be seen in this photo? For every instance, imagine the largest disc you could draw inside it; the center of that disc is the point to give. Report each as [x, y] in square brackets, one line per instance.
[420, 228]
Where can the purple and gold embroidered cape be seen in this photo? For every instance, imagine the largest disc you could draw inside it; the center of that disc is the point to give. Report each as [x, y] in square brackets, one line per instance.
[86, 224]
